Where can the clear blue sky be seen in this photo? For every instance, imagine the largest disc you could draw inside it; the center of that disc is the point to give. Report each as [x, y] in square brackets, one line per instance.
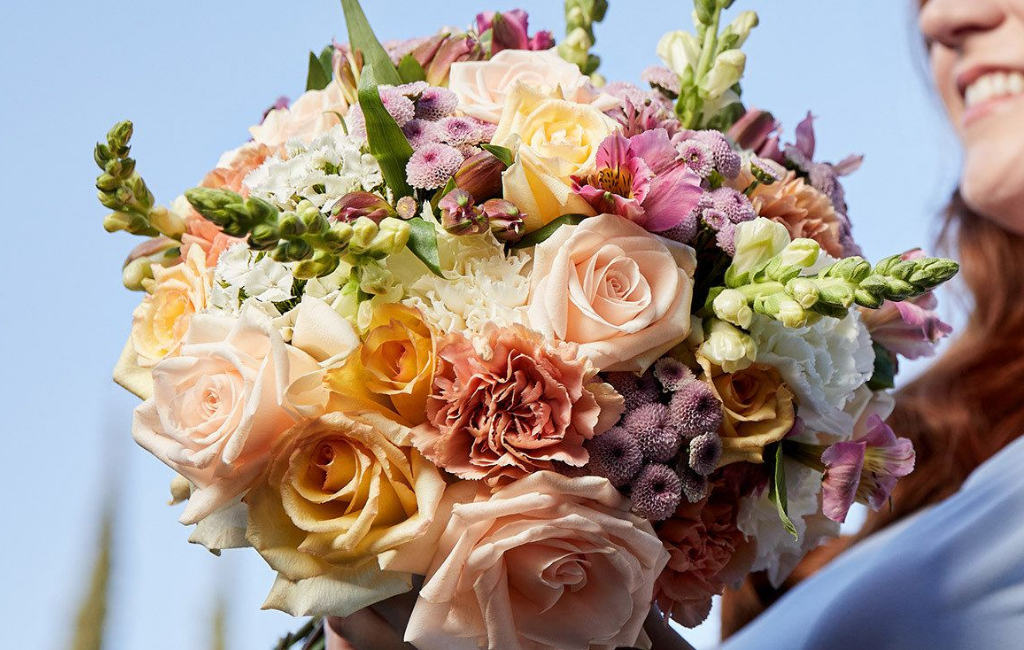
[192, 76]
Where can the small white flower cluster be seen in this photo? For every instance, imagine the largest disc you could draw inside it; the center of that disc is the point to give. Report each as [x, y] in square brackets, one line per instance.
[244, 276]
[331, 166]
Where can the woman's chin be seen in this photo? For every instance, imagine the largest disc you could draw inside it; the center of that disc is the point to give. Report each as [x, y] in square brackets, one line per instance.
[993, 186]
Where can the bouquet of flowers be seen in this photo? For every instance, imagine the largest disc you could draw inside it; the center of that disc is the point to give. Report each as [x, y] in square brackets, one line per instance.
[568, 349]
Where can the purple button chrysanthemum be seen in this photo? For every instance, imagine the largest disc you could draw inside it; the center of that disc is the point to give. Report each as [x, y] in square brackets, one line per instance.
[656, 492]
[695, 410]
[614, 455]
[705, 452]
[647, 424]
[435, 103]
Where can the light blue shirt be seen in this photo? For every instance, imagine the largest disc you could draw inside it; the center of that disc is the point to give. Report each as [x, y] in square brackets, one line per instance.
[950, 577]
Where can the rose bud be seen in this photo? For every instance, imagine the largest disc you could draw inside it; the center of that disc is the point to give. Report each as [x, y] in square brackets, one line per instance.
[361, 204]
[480, 175]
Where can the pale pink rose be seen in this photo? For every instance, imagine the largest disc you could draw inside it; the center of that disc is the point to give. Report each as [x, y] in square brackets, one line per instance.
[707, 552]
[520, 407]
[615, 289]
[312, 114]
[547, 562]
[481, 86]
[221, 402]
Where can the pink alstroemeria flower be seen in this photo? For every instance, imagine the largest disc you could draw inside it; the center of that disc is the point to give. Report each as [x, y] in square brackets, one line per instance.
[910, 328]
[642, 179]
[865, 470]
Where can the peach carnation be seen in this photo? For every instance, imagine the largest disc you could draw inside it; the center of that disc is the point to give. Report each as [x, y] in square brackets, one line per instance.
[803, 210]
[707, 552]
[523, 405]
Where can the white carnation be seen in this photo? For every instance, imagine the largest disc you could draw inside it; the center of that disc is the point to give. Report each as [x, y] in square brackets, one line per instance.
[777, 552]
[246, 276]
[824, 364]
[483, 286]
[331, 166]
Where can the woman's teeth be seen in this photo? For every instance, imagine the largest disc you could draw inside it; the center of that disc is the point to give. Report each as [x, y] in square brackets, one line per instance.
[993, 86]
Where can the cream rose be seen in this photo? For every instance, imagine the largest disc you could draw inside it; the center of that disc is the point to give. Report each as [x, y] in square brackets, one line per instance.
[554, 139]
[618, 291]
[219, 405]
[481, 86]
[176, 293]
[341, 499]
[312, 114]
[547, 562]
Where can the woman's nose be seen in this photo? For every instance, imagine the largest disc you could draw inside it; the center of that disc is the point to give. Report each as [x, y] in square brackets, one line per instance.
[951, 22]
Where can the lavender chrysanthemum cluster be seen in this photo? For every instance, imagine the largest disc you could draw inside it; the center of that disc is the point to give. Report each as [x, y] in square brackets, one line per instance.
[666, 444]
[441, 142]
[720, 211]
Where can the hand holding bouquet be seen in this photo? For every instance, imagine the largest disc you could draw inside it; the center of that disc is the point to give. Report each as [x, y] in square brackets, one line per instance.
[567, 349]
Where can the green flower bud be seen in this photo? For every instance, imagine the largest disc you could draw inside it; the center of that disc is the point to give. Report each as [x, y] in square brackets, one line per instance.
[291, 226]
[264, 236]
[314, 222]
[118, 137]
[107, 183]
[136, 272]
[731, 306]
[836, 294]
[374, 278]
[322, 263]
[800, 252]
[297, 250]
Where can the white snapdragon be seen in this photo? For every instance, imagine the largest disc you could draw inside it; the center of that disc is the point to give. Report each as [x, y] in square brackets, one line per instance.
[331, 166]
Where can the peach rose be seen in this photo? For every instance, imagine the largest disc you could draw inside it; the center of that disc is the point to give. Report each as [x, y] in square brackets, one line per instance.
[553, 139]
[393, 370]
[519, 407]
[707, 552]
[219, 405]
[315, 112]
[341, 498]
[759, 409]
[176, 293]
[618, 291]
[481, 86]
[547, 562]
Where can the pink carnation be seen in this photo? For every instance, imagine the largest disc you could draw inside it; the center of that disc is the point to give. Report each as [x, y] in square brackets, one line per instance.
[706, 552]
[521, 407]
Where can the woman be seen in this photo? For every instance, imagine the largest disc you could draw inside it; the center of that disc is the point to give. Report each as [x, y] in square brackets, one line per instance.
[951, 576]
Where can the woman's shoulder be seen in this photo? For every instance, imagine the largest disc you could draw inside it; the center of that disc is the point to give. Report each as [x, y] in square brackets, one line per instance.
[950, 577]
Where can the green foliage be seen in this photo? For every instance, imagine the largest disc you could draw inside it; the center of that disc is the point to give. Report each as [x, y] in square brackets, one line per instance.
[362, 39]
[386, 141]
[410, 69]
[321, 69]
[777, 487]
[541, 234]
[423, 243]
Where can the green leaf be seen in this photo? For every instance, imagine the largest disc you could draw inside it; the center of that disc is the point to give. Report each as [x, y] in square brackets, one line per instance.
[317, 78]
[777, 489]
[884, 376]
[504, 154]
[423, 243]
[541, 234]
[362, 38]
[410, 70]
[440, 194]
[387, 142]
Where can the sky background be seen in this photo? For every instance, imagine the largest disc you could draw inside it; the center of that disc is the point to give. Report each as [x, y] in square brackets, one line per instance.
[193, 76]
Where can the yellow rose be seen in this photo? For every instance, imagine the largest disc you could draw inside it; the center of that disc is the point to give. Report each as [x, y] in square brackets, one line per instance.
[176, 293]
[393, 369]
[758, 409]
[554, 139]
[340, 500]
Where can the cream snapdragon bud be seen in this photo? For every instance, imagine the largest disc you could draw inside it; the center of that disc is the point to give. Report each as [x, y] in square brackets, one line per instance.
[757, 242]
[731, 306]
[679, 50]
[364, 230]
[727, 346]
[805, 292]
[136, 272]
[181, 489]
[116, 221]
[800, 252]
[374, 278]
[724, 74]
[392, 236]
[168, 223]
[742, 25]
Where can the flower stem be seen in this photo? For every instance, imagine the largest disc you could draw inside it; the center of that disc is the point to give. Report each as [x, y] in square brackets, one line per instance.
[307, 630]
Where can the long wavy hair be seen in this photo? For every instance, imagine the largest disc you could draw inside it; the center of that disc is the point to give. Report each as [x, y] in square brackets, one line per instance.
[970, 403]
